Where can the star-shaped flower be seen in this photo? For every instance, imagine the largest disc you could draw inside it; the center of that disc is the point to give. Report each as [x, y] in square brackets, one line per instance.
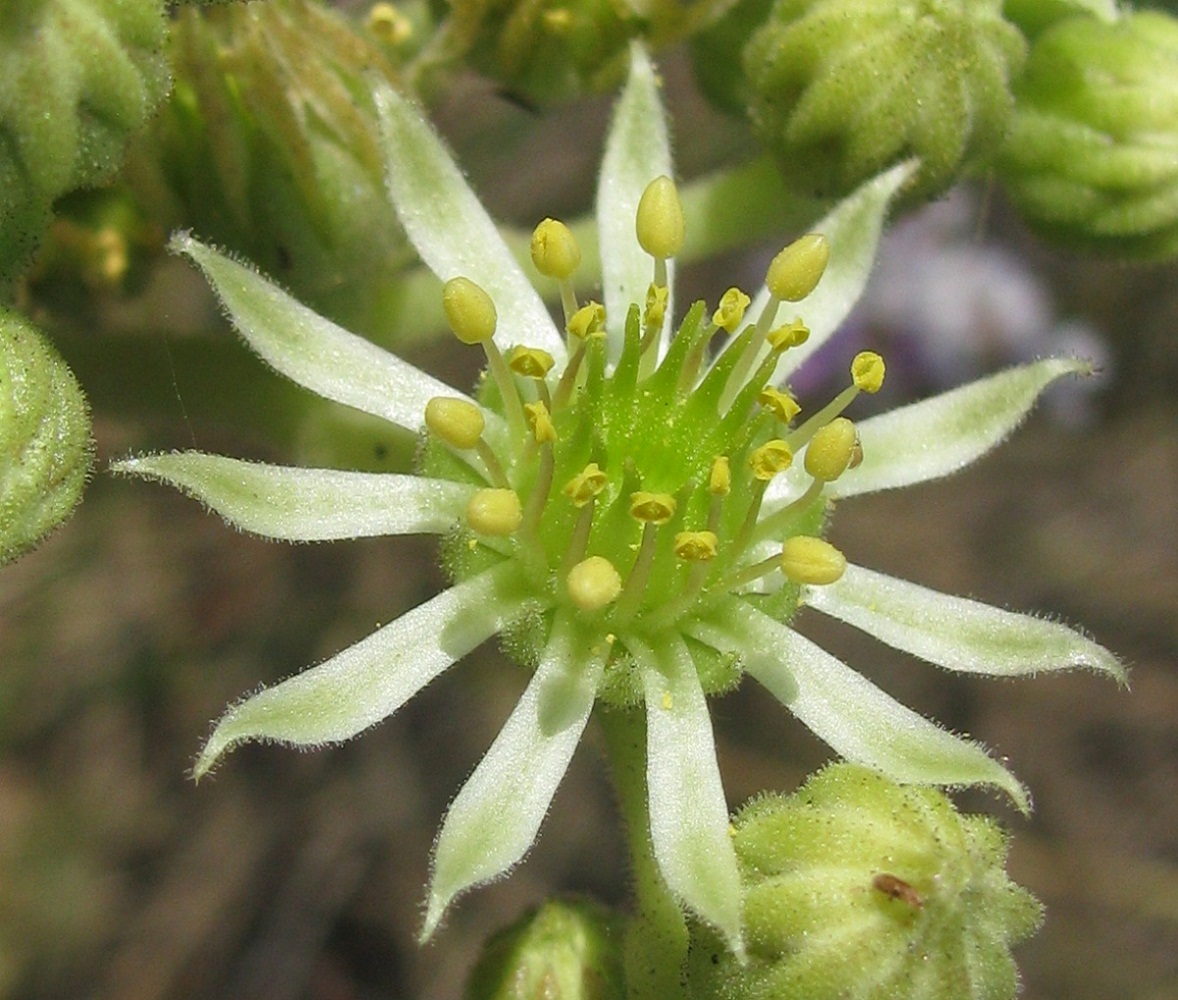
[640, 519]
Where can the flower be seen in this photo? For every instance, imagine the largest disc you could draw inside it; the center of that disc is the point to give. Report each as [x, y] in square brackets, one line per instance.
[614, 505]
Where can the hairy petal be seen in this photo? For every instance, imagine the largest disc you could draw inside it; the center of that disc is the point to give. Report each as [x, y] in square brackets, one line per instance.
[688, 813]
[495, 818]
[847, 711]
[369, 681]
[307, 505]
[954, 632]
[449, 227]
[637, 150]
[311, 350]
[942, 434]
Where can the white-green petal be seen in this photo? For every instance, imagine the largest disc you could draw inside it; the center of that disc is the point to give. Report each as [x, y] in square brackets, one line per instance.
[637, 150]
[311, 350]
[848, 712]
[942, 434]
[954, 632]
[853, 229]
[495, 818]
[307, 505]
[369, 681]
[450, 229]
[688, 812]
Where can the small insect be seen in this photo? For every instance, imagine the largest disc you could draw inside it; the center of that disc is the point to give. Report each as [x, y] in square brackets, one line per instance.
[897, 888]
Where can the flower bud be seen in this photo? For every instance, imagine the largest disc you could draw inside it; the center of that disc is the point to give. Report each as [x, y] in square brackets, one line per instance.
[565, 950]
[45, 449]
[1092, 159]
[857, 886]
[76, 79]
[841, 89]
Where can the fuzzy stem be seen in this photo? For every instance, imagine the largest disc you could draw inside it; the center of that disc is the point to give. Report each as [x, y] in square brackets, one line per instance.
[656, 938]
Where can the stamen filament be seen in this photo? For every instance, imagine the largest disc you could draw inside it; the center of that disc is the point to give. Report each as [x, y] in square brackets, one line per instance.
[801, 436]
[512, 404]
[635, 584]
[751, 349]
[756, 571]
[579, 541]
[490, 460]
[539, 495]
[568, 298]
[775, 524]
[568, 379]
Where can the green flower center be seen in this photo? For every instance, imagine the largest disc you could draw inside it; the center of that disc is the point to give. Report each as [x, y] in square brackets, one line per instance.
[631, 495]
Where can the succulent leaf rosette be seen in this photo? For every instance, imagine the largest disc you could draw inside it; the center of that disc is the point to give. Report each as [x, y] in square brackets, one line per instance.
[638, 515]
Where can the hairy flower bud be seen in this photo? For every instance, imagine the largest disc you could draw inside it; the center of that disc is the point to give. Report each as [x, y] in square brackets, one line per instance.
[76, 78]
[45, 450]
[841, 89]
[1092, 159]
[858, 886]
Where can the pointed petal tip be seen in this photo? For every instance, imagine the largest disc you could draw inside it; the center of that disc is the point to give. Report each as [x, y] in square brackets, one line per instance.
[435, 910]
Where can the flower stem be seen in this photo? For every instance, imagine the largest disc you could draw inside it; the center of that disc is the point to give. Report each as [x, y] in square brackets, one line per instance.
[656, 938]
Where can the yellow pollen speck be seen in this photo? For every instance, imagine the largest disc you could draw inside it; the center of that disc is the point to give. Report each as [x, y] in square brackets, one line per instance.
[733, 303]
[668, 701]
[458, 422]
[795, 271]
[659, 222]
[494, 512]
[389, 24]
[771, 458]
[585, 485]
[540, 421]
[867, 371]
[593, 583]
[469, 310]
[657, 508]
[831, 449]
[656, 305]
[588, 321]
[531, 362]
[791, 335]
[805, 559]
[696, 546]
[783, 406]
[720, 477]
[554, 250]
[559, 20]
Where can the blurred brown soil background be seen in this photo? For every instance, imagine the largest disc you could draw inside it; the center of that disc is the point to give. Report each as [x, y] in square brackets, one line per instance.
[291, 876]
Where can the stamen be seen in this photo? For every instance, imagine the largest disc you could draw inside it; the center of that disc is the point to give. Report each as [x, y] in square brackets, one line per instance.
[719, 484]
[460, 424]
[653, 509]
[791, 335]
[494, 512]
[530, 362]
[867, 375]
[540, 422]
[730, 313]
[556, 255]
[766, 462]
[585, 485]
[695, 546]
[805, 559]
[653, 313]
[593, 583]
[659, 224]
[781, 404]
[543, 434]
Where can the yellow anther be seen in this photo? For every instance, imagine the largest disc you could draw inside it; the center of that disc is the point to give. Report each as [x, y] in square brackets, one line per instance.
[696, 546]
[805, 559]
[530, 362]
[733, 303]
[554, 250]
[469, 310]
[655, 508]
[593, 583]
[797, 269]
[540, 421]
[832, 449]
[720, 477]
[558, 20]
[494, 512]
[771, 458]
[656, 305]
[389, 24]
[458, 422]
[867, 371]
[659, 222]
[791, 335]
[585, 485]
[588, 321]
[782, 405]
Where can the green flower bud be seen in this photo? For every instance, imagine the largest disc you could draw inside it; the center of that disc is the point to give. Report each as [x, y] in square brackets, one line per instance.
[565, 950]
[858, 886]
[45, 450]
[1033, 16]
[271, 147]
[841, 89]
[1092, 159]
[76, 78]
